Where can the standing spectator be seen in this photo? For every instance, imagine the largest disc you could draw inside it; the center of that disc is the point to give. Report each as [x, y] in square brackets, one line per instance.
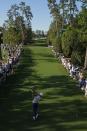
[82, 81]
[86, 88]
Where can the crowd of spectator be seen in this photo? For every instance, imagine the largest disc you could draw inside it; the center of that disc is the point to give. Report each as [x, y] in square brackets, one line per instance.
[6, 67]
[75, 72]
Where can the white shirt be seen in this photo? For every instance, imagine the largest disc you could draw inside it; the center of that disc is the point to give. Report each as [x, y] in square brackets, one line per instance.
[73, 69]
[36, 99]
[10, 61]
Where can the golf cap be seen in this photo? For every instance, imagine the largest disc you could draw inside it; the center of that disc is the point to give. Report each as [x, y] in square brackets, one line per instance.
[41, 94]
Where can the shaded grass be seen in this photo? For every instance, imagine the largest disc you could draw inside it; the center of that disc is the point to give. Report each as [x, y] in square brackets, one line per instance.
[63, 107]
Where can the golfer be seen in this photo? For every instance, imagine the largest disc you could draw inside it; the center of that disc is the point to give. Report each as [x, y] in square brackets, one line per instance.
[35, 104]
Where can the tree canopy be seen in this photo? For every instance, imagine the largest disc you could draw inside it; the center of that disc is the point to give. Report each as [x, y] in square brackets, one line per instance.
[68, 29]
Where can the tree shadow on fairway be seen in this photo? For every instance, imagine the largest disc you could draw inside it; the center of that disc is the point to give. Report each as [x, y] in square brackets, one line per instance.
[15, 98]
[64, 115]
[62, 108]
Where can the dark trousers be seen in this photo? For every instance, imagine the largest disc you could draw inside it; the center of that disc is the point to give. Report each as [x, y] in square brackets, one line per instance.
[35, 109]
[82, 83]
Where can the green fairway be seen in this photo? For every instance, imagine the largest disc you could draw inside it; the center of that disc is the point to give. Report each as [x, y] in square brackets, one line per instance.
[63, 107]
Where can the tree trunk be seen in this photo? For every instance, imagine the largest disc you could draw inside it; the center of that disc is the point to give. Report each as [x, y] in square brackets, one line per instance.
[22, 33]
[85, 63]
